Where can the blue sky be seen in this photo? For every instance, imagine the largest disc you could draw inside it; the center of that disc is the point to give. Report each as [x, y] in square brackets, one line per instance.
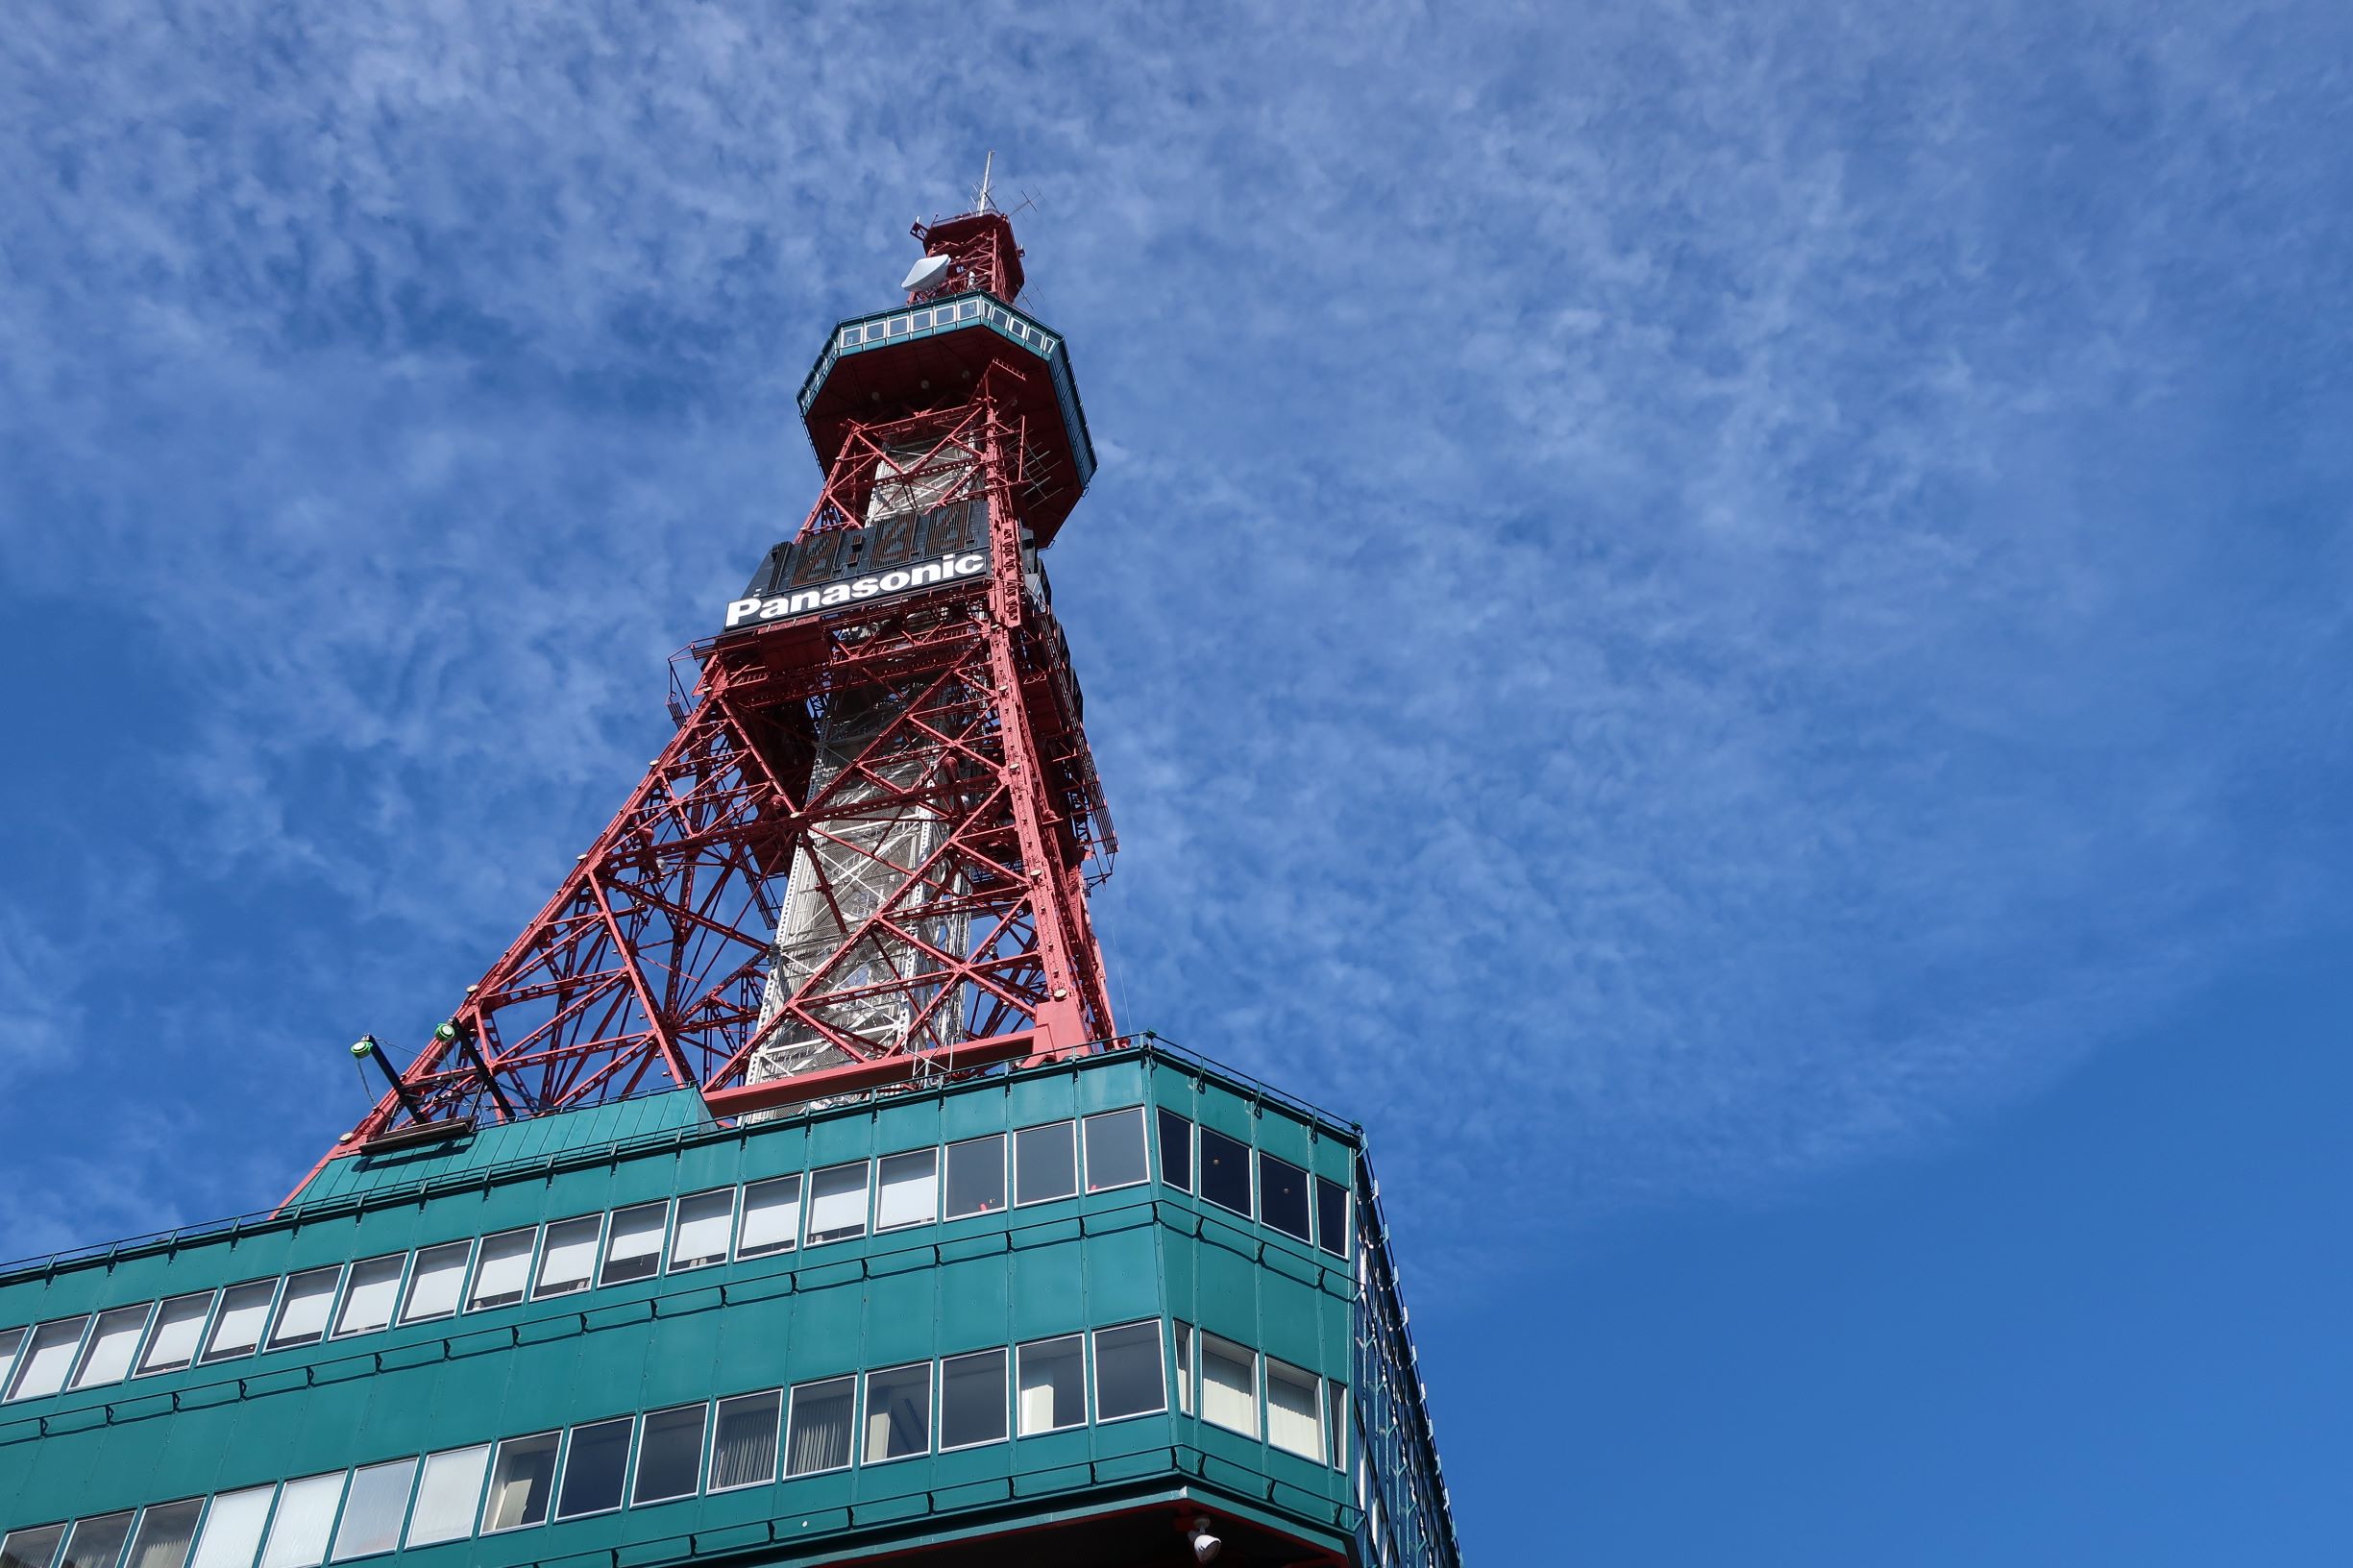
[1729, 623]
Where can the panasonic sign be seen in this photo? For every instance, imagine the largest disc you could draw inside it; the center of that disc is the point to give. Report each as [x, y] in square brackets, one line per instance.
[842, 567]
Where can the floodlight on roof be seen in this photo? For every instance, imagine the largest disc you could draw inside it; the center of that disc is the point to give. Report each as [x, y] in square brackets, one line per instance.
[925, 273]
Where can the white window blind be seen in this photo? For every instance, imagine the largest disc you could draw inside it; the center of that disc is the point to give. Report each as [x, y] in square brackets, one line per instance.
[237, 1327]
[909, 1190]
[705, 1221]
[372, 1516]
[305, 1513]
[233, 1529]
[744, 1448]
[837, 1203]
[772, 1218]
[166, 1532]
[633, 1248]
[569, 1255]
[505, 1265]
[436, 1283]
[447, 1495]
[1294, 1416]
[1053, 1386]
[302, 1312]
[1228, 1384]
[32, 1548]
[97, 1542]
[47, 1358]
[106, 1357]
[376, 1288]
[178, 1325]
[819, 1432]
[1184, 1368]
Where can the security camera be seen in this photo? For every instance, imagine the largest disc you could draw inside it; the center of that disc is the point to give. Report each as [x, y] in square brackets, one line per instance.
[1206, 1546]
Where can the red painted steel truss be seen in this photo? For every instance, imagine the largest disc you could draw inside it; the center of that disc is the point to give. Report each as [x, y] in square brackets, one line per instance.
[655, 963]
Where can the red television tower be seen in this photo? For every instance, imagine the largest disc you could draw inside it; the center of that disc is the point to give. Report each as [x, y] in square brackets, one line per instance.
[863, 858]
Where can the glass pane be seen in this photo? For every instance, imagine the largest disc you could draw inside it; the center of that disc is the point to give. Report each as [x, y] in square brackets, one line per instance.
[31, 1548]
[372, 1515]
[179, 1324]
[106, 1357]
[899, 1412]
[1044, 1163]
[520, 1481]
[302, 1312]
[1185, 1367]
[976, 1176]
[96, 1543]
[1114, 1149]
[233, 1529]
[376, 1288]
[48, 1357]
[772, 1216]
[1283, 1197]
[1176, 1151]
[1336, 1422]
[11, 1341]
[1128, 1375]
[705, 1221]
[447, 1494]
[166, 1532]
[436, 1283]
[305, 1513]
[593, 1467]
[1332, 1217]
[972, 1398]
[569, 1258]
[501, 1270]
[633, 1249]
[1294, 1419]
[909, 1190]
[1053, 1386]
[744, 1447]
[1225, 1171]
[819, 1429]
[837, 1204]
[1228, 1384]
[670, 1454]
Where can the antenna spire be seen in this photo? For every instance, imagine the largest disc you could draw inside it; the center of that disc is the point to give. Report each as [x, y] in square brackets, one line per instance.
[980, 199]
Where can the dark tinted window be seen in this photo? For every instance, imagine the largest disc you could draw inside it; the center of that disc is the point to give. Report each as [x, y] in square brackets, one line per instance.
[1115, 1150]
[1176, 1151]
[1283, 1197]
[593, 1468]
[1044, 1163]
[1225, 1171]
[976, 1176]
[1332, 1217]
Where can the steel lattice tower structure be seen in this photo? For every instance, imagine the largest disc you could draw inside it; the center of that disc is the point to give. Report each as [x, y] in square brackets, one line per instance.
[863, 858]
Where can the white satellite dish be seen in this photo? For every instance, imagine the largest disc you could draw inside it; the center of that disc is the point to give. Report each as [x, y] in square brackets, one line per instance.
[925, 273]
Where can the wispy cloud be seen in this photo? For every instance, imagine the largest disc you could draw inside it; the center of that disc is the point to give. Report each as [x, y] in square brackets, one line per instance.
[1677, 599]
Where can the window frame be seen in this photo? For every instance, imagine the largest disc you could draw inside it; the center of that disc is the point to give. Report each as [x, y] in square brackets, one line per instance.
[468, 1302]
[792, 1401]
[78, 1376]
[471, 1520]
[1161, 1123]
[1004, 1176]
[272, 1340]
[695, 1471]
[677, 1228]
[490, 1484]
[207, 1356]
[31, 1347]
[465, 1247]
[415, 1465]
[1095, 1370]
[1323, 1185]
[1306, 1232]
[1257, 1397]
[776, 1443]
[1249, 1167]
[939, 1185]
[1004, 1397]
[1071, 1124]
[865, 1408]
[563, 1475]
[155, 1330]
[403, 1261]
[612, 1232]
[1314, 1386]
[799, 1184]
[1144, 1149]
[809, 1234]
[1077, 1337]
[540, 1289]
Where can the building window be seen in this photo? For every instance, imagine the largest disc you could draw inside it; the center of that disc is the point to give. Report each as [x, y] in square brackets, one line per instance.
[302, 1308]
[907, 1190]
[817, 1436]
[372, 1514]
[306, 1514]
[670, 1454]
[1225, 1171]
[106, 1357]
[1053, 1383]
[1332, 1217]
[1044, 1163]
[633, 1244]
[972, 1398]
[447, 1495]
[165, 1534]
[1129, 1379]
[569, 1256]
[837, 1204]
[232, 1528]
[96, 1542]
[1294, 1413]
[1116, 1150]
[899, 1412]
[1185, 1367]
[171, 1344]
[501, 1272]
[48, 1357]
[594, 1461]
[521, 1480]
[1283, 1197]
[31, 1548]
[11, 1341]
[1335, 1423]
[1176, 1151]
[976, 1176]
[437, 1281]
[376, 1289]
[772, 1218]
[1229, 1385]
[706, 1222]
[744, 1445]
